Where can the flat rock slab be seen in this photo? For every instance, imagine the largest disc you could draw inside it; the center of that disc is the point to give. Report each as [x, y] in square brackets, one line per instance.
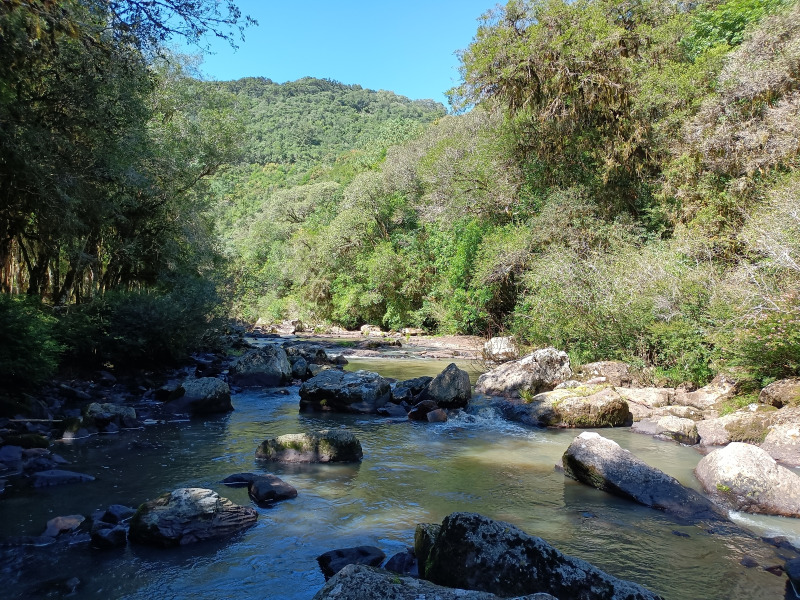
[360, 582]
[188, 515]
[477, 553]
[58, 477]
[335, 560]
[746, 478]
[603, 464]
[328, 445]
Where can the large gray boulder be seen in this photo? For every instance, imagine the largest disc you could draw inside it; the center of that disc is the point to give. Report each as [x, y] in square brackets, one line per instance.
[747, 478]
[100, 415]
[410, 390]
[784, 392]
[263, 367]
[362, 392]
[681, 430]
[783, 443]
[721, 388]
[613, 372]
[603, 464]
[360, 582]
[477, 553]
[203, 396]
[188, 515]
[500, 349]
[749, 424]
[451, 388]
[540, 371]
[328, 445]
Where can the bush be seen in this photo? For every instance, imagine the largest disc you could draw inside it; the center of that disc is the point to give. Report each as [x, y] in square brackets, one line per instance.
[29, 352]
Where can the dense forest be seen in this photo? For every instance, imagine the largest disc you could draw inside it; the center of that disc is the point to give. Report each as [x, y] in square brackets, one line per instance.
[617, 178]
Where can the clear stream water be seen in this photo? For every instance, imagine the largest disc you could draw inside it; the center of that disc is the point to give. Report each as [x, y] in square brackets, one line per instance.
[411, 473]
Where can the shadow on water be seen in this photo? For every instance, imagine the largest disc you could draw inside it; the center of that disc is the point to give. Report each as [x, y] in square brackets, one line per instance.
[411, 473]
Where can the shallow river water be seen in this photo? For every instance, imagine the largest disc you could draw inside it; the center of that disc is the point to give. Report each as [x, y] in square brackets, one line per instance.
[411, 473]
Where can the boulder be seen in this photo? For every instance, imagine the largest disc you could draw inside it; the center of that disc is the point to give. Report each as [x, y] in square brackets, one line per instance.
[540, 371]
[240, 479]
[66, 524]
[500, 349]
[477, 553]
[335, 560]
[362, 392]
[419, 412]
[393, 410]
[784, 392]
[649, 397]
[404, 563]
[603, 464]
[112, 536]
[437, 416]
[410, 389]
[58, 477]
[424, 537]
[188, 515]
[360, 582]
[106, 414]
[313, 354]
[451, 388]
[720, 388]
[613, 372]
[747, 478]
[268, 367]
[605, 408]
[750, 424]
[328, 445]
[792, 569]
[265, 490]
[783, 444]
[117, 513]
[300, 368]
[683, 431]
[203, 396]
[371, 330]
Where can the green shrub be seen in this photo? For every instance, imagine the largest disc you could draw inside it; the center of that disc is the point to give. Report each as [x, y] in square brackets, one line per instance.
[29, 353]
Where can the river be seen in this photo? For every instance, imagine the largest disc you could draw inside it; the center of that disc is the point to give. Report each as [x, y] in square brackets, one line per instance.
[411, 473]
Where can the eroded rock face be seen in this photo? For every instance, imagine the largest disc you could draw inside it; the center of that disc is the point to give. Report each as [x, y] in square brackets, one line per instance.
[263, 367]
[360, 582]
[747, 425]
[203, 396]
[783, 444]
[188, 515]
[603, 464]
[328, 445]
[450, 388]
[538, 372]
[784, 392]
[478, 553]
[747, 478]
[720, 388]
[332, 390]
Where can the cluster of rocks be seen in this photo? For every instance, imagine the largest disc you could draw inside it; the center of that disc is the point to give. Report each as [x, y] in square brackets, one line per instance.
[475, 557]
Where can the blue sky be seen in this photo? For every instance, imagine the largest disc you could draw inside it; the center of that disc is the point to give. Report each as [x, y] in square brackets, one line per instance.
[406, 47]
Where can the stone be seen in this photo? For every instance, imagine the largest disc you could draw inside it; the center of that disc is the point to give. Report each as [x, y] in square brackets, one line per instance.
[66, 524]
[613, 372]
[393, 410]
[11, 457]
[451, 388]
[783, 444]
[117, 513]
[748, 479]
[683, 431]
[265, 490]
[300, 368]
[360, 582]
[203, 396]
[500, 349]
[792, 569]
[477, 553]
[437, 416]
[404, 563]
[784, 392]
[105, 538]
[721, 388]
[188, 515]
[328, 445]
[370, 330]
[605, 408]
[419, 412]
[410, 389]
[108, 417]
[424, 537]
[649, 397]
[362, 392]
[750, 424]
[603, 464]
[239, 479]
[58, 477]
[540, 371]
[335, 560]
[263, 367]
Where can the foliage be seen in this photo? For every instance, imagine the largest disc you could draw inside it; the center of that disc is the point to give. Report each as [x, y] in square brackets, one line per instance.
[29, 352]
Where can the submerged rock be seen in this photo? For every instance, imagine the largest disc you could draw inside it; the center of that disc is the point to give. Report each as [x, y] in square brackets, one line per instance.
[540, 371]
[333, 390]
[58, 477]
[328, 445]
[264, 367]
[335, 560]
[360, 582]
[188, 515]
[451, 388]
[477, 553]
[603, 464]
[747, 478]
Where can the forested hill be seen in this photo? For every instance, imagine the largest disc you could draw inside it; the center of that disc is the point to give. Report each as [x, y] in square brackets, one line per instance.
[312, 120]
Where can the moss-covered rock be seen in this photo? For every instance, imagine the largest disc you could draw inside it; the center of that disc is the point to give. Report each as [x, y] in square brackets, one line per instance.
[328, 445]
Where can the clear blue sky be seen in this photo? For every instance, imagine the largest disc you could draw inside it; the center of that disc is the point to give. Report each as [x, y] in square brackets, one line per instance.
[407, 47]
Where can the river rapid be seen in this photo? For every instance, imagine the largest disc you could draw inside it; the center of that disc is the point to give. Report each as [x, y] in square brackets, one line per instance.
[411, 473]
